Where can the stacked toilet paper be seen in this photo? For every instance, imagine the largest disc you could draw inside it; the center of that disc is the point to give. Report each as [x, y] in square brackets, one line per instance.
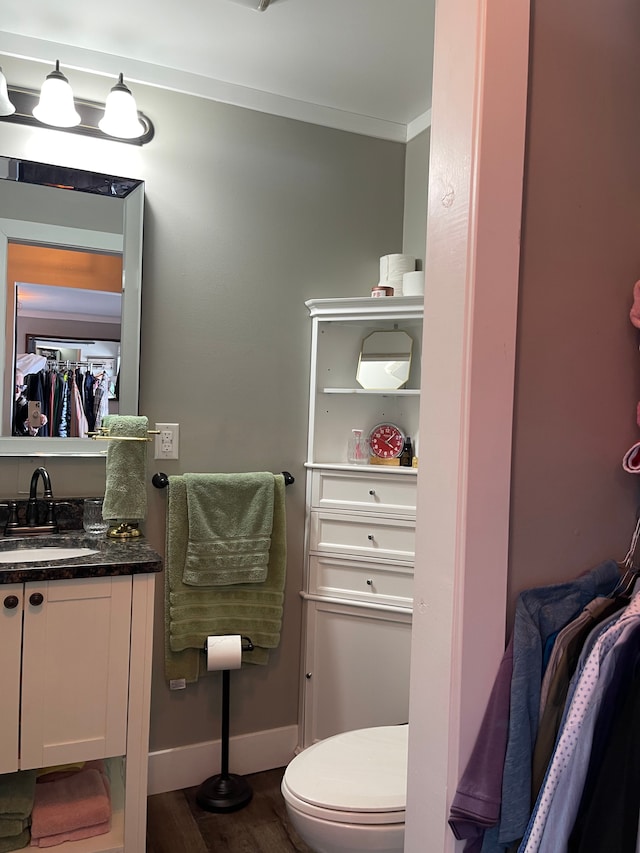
[413, 283]
[392, 269]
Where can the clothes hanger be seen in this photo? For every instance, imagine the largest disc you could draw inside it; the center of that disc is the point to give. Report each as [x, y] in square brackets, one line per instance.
[625, 585]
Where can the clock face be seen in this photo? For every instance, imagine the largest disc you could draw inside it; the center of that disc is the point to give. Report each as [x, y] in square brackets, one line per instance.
[386, 441]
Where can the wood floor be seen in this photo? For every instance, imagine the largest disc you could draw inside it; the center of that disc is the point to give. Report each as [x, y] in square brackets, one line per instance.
[176, 824]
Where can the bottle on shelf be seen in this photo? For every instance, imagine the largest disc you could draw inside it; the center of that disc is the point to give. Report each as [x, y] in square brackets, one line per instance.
[357, 451]
[406, 457]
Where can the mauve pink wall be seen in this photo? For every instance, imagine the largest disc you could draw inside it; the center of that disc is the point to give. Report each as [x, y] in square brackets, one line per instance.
[578, 365]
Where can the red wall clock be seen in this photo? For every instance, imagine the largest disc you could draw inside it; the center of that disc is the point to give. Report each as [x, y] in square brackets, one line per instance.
[386, 441]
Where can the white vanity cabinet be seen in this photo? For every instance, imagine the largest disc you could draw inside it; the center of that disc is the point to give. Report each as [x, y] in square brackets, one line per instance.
[76, 661]
[360, 528]
[74, 654]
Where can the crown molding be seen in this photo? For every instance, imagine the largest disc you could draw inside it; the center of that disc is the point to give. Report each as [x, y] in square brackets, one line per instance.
[184, 82]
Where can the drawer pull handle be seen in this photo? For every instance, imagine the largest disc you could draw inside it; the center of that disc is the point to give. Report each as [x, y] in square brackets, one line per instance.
[372, 492]
[369, 581]
[308, 675]
[36, 598]
[370, 537]
[11, 602]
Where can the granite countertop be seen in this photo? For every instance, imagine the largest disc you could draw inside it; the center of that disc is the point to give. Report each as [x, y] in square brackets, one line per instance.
[111, 557]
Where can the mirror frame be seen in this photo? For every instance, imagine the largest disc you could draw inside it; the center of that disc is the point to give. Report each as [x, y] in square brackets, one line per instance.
[129, 244]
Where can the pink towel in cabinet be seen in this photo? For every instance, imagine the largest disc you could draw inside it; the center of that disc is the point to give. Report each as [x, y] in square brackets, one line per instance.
[72, 835]
[75, 802]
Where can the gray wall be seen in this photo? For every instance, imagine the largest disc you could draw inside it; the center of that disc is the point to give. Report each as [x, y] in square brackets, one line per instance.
[416, 192]
[247, 216]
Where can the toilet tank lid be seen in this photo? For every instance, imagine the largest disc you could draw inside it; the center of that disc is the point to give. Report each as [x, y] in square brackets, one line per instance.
[363, 770]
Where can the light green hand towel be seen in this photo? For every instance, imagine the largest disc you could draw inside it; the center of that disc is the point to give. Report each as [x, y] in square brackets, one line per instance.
[125, 494]
[230, 521]
[194, 613]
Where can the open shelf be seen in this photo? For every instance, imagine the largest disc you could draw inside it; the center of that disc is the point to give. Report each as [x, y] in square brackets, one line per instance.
[112, 841]
[387, 392]
[364, 469]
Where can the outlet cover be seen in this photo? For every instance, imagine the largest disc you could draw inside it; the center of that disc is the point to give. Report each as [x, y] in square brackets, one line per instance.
[166, 445]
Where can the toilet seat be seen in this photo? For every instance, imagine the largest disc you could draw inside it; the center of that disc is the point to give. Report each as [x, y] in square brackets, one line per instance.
[354, 777]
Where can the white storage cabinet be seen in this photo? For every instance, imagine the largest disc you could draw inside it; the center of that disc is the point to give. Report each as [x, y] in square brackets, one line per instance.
[360, 528]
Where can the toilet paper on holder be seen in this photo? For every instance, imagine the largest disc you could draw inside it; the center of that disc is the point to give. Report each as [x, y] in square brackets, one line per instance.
[225, 652]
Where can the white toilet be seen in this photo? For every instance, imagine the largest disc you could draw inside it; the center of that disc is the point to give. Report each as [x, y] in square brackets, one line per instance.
[348, 793]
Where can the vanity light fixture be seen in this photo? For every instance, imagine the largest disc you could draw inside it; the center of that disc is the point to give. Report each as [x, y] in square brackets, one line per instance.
[119, 120]
[56, 106]
[6, 107]
[121, 113]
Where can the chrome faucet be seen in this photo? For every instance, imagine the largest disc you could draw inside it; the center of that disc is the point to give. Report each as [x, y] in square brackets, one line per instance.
[33, 527]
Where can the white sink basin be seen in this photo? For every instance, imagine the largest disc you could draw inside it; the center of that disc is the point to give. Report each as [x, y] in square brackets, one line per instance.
[46, 554]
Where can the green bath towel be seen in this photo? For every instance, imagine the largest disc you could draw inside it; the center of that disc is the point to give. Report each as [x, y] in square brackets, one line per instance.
[125, 495]
[230, 521]
[15, 842]
[13, 826]
[17, 791]
[194, 613]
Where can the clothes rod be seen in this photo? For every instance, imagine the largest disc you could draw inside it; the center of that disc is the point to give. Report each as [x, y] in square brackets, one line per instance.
[160, 480]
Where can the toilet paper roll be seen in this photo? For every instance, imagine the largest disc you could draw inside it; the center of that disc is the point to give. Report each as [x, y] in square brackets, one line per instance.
[393, 266]
[224, 652]
[413, 283]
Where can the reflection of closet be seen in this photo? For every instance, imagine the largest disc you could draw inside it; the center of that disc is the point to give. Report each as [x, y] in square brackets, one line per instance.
[74, 396]
[360, 528]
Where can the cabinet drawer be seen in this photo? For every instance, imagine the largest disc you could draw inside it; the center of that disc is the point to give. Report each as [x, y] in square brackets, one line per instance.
[347, 490]
[371, 582]
[364, 535]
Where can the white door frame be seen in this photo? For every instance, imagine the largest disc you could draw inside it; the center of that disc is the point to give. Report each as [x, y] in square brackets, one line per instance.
[468, 365]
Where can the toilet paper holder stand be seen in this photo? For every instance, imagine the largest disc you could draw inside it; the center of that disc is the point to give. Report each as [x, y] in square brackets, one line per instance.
[225, 792]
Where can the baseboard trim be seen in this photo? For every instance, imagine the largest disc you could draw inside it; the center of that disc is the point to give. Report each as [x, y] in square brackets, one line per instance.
[186, 766]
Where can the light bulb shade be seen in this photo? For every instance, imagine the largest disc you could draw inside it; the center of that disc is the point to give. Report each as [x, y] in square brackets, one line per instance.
[6, 107]
[121, 114]
[56, 106]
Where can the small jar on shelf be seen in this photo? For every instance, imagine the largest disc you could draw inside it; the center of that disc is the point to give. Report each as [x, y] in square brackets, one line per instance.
[357, 448]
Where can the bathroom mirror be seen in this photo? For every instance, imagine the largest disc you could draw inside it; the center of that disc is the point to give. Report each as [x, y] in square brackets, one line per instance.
[97, 216]
[385, 360]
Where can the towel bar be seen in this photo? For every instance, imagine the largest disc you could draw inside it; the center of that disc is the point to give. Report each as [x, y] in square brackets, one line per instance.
[160, 480]
[103, 435]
